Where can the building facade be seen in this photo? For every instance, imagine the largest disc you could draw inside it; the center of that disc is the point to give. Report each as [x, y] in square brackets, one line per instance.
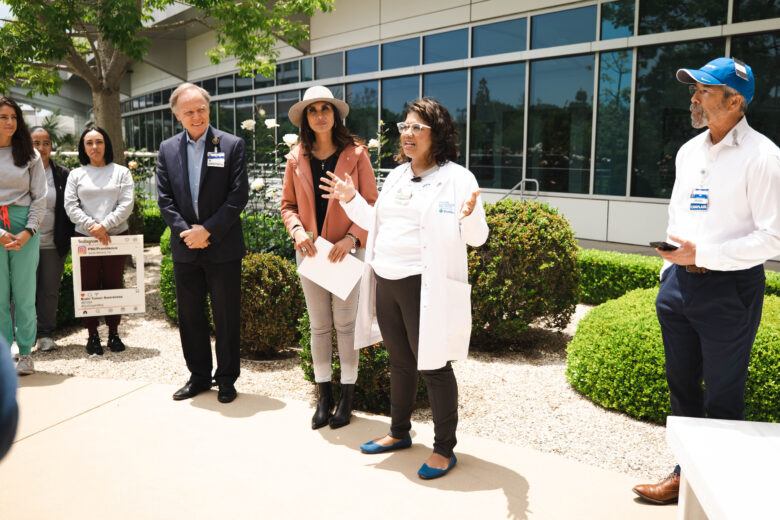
[577, 100]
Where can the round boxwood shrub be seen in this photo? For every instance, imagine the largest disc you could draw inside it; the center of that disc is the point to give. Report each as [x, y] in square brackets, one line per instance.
[526, 272]
[168, 288]
[154, 225]
[372, 390]
[605, 275]
[616, 359]
[165, 241]
[271, 305]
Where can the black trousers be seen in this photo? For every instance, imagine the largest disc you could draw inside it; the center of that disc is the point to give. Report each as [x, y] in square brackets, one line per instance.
[398, 314]
[709, 322]
[222, 282]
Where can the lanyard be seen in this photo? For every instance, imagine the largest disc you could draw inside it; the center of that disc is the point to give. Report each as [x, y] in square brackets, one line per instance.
[4, 218]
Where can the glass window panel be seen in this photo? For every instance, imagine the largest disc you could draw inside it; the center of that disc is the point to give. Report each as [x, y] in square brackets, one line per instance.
[396, 92]
[362, 99]
[243, 83]
[287, 73]
[127, 131]
[265, 106]
[227, 116]
[167, 123]
[159, 129]
[662, 119]
[563, 27]
[225, 85]
[496, 145]
[497, 38]
[141, 101]
[285, 100]
[617, 19]
[446, 46]
[559, 123]
[136, 103]
[166, 98]
[210, 85]
[748, 10]
[363, 60]
[307, 69]
[149, 100]
[658, 16]
[338, 91]
[245, 110]
[403, 53]
[329, 66]
[149, 143]
[138, 138]
[761, 52]
[612, 121]
[449, 88]
[158, 98]
[263, 82]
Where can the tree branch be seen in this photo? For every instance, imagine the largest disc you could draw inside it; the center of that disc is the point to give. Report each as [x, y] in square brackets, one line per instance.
[81, 68]
[155, 29]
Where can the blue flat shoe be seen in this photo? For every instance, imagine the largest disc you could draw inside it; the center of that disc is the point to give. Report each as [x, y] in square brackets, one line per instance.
[373, 448]
[428, 473]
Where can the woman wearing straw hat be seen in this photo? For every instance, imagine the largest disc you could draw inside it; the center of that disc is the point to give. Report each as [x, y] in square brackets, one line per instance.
[325, 145]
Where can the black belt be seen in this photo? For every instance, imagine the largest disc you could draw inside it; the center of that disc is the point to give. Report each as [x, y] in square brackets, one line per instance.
[696, 269]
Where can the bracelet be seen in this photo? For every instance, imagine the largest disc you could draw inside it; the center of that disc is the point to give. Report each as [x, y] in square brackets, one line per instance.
[292, 231]
[355, 242]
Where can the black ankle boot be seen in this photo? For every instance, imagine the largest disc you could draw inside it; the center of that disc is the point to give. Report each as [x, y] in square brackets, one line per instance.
[324, 406]
[344, 409]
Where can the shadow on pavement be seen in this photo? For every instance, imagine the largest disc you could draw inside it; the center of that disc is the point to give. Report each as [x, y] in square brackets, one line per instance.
[76, 351]
[41, 379]
[245, 405]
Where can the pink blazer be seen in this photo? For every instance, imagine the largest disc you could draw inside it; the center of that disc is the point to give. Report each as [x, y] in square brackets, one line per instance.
[298, 193]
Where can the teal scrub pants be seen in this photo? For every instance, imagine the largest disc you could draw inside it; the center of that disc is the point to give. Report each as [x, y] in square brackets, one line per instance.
[18, 273]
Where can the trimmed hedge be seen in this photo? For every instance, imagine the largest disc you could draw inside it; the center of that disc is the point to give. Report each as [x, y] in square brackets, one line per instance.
[165, 241]
[265, 233]
[154, 225]
[773, 283]
[616, 359]
[526, 272]
[168, 288]
[65, 312]
[372, 390]
[605, 275]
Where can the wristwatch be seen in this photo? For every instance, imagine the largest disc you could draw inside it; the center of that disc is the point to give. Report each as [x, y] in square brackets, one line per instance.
[31, 231]
[355, 242]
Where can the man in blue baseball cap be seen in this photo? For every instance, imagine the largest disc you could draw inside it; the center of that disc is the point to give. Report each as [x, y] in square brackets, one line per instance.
[723, 215]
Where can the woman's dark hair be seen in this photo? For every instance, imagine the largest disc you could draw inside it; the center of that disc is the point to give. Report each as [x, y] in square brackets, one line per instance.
[444, 133]
[341, 135]
[108, 155]
[21, 143]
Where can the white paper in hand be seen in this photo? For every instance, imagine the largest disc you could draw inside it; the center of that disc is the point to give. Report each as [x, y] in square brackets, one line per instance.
[337, 277]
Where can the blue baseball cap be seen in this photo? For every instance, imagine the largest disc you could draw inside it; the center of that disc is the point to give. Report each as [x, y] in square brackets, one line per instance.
[723, 71]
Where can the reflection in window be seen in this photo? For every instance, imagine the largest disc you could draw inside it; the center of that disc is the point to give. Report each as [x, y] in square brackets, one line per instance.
[227, 116]
[307, 69]
[138, 137]
[446, 46]
[362, 99]
[748, 10]
[449, 89]
[263, 82]
[762, 52]
[662, 120]
[617, 19]
[225, 85]
[395, 94]
[337, 90]
[287, 73]
[265, 107]
[496, 145]
[167, 123]
[149, 144]
[127, 128]
[328, 66]
[285, 100]
[158, 98]
[497, 38]
[210, 85]
[363, 60]
[560, 122]
[661, 16]
[403, 53]
[563, 27]
[158, 129]
[611, 164]
[245, 109]
[243, 83]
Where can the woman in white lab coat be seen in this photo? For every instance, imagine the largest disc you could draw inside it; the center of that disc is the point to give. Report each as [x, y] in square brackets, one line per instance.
[415, 284]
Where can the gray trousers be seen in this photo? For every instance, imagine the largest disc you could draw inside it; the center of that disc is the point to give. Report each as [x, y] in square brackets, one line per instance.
[47, 293]
[398, 314]
[327, 311]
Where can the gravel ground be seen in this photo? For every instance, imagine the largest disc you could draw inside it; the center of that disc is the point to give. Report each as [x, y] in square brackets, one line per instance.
[519, 398]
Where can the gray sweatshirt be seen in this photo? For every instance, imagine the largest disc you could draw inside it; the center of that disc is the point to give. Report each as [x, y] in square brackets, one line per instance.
[25, 186]
[99, 195]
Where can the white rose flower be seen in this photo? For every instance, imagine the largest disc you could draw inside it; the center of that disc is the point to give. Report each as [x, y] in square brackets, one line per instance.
[290, 139]
[261, 112]
[271, 123]
[249, 124]
[257, 184]
[373, 144]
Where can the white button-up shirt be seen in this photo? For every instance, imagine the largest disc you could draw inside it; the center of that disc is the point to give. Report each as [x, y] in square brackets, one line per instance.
[741, 226]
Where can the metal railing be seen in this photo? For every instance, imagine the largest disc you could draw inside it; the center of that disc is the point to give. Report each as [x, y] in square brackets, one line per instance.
[521, 185]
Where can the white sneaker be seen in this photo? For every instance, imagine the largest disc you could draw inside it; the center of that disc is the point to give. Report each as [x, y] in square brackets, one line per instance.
[25, 366]
[15, 351]
[46, 344]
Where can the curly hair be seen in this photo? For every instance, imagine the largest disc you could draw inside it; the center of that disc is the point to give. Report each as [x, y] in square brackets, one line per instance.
[444, 133]
[21, 142]
[341, 135]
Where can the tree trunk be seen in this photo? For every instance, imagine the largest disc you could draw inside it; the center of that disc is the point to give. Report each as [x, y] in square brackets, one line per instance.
[108, 115]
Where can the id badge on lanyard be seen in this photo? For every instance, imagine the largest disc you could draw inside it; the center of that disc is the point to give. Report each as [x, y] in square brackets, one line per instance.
[700, 199]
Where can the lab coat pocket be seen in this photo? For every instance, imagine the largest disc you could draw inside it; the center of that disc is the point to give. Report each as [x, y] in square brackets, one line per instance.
[458, 319]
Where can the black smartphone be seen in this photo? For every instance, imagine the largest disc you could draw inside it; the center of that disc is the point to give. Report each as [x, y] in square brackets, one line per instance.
[664, 246]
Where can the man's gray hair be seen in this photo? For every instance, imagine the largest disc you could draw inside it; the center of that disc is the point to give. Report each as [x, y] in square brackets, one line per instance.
[183, 88]
[729, 91]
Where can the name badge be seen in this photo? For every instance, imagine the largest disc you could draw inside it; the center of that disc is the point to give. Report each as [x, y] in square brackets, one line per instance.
[215, 160]
[446, 207]
[700, 199]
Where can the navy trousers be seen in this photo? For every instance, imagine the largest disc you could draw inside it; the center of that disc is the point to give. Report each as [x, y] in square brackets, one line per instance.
[709, 322]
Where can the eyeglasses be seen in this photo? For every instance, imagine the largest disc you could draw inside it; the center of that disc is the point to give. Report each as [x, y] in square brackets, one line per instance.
[416, 128]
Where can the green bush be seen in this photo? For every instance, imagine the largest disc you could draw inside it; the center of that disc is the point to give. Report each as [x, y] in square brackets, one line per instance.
[65, 313]
[773, 283]
[605, 275]
[271, 305]
[154, 225]
[616, 359]
[372, 390]
[265, 233]
[527, 271]
[168, 288]
[165, 242]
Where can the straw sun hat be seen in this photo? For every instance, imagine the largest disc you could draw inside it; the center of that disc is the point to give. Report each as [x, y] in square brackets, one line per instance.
[313, 95]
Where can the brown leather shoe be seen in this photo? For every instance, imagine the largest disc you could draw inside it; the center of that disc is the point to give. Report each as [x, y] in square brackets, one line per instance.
[665, 492]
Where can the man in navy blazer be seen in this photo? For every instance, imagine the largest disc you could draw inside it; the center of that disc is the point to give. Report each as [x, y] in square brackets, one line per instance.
[202, 188]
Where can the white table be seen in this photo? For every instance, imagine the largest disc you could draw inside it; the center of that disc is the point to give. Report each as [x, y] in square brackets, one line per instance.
[730, 469]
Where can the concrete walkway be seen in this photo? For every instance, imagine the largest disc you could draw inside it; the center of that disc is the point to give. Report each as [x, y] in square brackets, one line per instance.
[105, 449]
